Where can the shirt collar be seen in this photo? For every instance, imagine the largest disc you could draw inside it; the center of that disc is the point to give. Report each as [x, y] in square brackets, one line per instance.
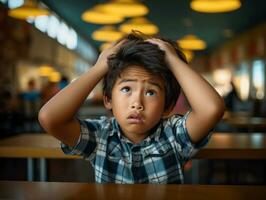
[156, 132]
[114, 129]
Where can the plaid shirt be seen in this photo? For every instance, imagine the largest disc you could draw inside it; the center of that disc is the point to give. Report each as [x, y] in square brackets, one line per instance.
[159, 158]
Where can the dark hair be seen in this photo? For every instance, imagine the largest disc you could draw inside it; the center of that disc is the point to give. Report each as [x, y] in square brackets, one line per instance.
[136, 51]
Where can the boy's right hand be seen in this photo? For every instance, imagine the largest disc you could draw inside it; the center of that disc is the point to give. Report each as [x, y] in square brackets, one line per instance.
[103, 57]
[58, 116]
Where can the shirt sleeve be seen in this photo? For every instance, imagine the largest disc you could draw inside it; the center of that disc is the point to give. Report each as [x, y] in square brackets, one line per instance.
[187, 148]
[87, 140]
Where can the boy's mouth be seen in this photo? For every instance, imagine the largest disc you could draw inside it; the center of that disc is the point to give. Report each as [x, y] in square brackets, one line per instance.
[135, 118]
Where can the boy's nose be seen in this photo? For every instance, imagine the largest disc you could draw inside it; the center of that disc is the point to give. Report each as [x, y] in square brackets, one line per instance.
[137, 106]
[136, 101]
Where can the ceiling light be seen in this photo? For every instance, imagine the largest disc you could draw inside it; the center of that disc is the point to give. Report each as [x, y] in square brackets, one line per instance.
[28, 10]
[99, 16]
[215, 6]
[107, 34]
[45, 70]
[55, 77]
[222, 76]
[140, 24]
[188, 54]
[126, 8]
[191, 42]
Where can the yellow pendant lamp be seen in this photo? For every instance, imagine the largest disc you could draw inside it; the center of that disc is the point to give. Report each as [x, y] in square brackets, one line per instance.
[140, 24]
[215, 6]
[107, 34]
[126, 8]
[188, 54]
[45, 70]
[191, 42]
[29, 9]
[55, 77]
[97, 15]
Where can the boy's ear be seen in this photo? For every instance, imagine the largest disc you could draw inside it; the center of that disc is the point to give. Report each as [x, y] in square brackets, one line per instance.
[107, 102]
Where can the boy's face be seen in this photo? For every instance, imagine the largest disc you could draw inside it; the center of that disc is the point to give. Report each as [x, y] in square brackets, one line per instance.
[137, 102]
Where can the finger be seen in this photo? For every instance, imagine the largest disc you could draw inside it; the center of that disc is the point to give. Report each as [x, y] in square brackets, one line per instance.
[157, 42]
[153, 40]
[114, 46]
[119, 42]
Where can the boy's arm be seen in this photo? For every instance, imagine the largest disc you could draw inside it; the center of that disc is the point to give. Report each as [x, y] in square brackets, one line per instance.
[206, 104]
[57, 116]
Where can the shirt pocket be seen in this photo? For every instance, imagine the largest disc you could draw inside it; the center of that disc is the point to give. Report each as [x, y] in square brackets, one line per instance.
[116, 154]
[157, 150]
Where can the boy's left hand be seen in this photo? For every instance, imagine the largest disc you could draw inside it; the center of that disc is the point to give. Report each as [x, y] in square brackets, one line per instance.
[170, 52]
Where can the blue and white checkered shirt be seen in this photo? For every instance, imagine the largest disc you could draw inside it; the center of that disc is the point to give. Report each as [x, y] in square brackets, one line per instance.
[159, 158]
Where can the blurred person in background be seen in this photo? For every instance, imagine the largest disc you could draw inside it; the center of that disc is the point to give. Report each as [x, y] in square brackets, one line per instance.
[231, 99]
[31, 105]
[63, 82]
[48, 91]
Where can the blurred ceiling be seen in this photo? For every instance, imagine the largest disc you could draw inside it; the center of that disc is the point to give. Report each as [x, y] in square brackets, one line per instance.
[174, 18]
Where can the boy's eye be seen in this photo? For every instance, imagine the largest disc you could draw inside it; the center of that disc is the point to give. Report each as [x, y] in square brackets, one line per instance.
[150, 93]
[125, 89]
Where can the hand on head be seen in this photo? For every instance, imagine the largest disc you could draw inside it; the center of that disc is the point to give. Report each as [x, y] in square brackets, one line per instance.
[164, 46]
[103, 57]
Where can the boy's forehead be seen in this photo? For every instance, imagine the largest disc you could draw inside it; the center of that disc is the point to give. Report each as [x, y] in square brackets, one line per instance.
[135, 73]
[138, 71]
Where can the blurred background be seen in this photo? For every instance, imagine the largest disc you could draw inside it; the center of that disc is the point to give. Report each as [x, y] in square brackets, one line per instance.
[46, 44]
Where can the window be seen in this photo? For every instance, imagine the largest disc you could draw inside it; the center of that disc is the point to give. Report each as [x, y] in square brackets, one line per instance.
[258, 79]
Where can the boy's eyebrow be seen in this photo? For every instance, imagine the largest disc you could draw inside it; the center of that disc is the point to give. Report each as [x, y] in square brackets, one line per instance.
[156, 84]
[134, 80]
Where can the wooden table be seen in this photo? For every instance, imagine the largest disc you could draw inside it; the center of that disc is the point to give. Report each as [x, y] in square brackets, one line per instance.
[30, 146]
[235, 146]
[220, 146]
[58, 191]
[245, 121]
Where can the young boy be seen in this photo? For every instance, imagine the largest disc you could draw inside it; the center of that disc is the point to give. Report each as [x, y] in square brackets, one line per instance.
[141, 85]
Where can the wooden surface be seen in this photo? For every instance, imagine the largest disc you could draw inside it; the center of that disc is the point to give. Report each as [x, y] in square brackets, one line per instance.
[32, 145]
[235, 146]
[247, 122]
[58, 191]
[220, 146]
[244, 120]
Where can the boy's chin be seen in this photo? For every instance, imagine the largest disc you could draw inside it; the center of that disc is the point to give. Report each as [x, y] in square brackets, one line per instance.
[135, 131]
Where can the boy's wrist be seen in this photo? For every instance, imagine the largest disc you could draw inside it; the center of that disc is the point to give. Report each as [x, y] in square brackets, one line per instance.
[175, 62]
[173, 59]
[101, 66]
